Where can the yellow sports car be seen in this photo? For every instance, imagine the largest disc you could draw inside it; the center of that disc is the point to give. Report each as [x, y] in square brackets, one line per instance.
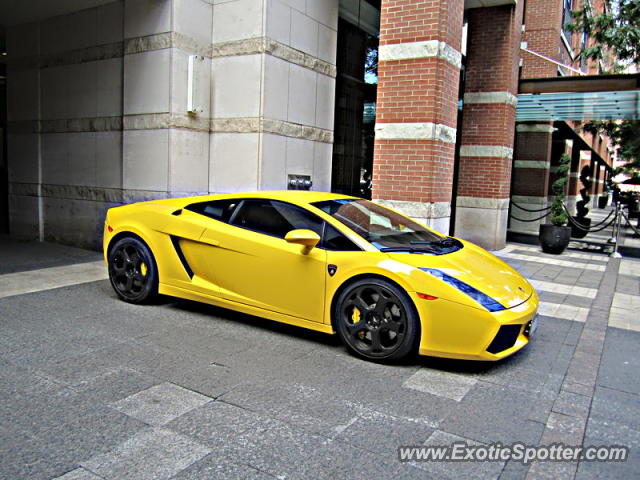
[385, 284]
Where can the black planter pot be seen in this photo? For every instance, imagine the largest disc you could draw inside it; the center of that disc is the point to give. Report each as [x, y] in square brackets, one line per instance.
[554, 239]
[578, 233]
[602, 201]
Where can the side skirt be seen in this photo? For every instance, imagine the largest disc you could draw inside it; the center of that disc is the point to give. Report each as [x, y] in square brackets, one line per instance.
[178, 292]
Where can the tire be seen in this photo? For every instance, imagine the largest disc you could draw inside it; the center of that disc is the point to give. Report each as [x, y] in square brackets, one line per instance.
[133, 271]
[376, 330]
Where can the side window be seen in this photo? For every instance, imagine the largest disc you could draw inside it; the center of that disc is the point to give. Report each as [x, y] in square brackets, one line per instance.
[275, 218]
[334, 240]
[216, 209]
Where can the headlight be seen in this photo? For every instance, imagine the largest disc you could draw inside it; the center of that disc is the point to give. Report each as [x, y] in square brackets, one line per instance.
[484, 300]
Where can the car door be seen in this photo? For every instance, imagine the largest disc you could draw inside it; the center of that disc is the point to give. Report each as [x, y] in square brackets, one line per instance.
[187, 228]
[256, 266]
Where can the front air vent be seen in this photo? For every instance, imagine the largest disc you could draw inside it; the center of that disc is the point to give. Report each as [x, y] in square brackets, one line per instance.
[506, 338]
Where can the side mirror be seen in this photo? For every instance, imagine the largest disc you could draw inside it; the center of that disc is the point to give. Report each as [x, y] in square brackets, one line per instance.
[307, 238]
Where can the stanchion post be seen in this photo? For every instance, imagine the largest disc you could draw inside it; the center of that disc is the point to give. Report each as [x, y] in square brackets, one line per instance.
[616, 229]
[614, 236]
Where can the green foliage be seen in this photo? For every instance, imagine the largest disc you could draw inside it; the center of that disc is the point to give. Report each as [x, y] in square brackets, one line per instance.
[625, 135]
[616, 41]
[558, 215]
[616, 32]
[582, 210]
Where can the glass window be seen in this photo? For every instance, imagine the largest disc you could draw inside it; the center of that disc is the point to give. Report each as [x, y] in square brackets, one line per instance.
[275, 218]
[567, 17]
[334, 240]
[386, 229]
[216, 209]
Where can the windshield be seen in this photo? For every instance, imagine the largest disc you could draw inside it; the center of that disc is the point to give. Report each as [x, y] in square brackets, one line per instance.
[386, 229]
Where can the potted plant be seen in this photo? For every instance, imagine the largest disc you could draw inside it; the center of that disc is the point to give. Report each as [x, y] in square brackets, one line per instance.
[582, 210]
[555, 237]
[603, 199]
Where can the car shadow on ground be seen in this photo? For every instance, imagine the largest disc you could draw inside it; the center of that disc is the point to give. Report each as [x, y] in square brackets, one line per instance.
[332, 341]
[250, 320]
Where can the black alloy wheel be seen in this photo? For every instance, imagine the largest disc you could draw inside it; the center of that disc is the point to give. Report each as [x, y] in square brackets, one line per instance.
[132, 270]
[376, 320]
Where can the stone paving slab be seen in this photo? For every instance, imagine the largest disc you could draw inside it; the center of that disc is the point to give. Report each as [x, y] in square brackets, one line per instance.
[153, 454]
[442, 384]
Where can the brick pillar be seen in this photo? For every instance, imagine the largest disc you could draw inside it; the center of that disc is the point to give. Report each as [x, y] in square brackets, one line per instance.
[488, 120]
[530, 174]
[418, 79]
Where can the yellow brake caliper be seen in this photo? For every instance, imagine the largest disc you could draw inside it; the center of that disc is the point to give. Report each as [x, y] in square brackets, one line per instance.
[143, 269]
[355, 318]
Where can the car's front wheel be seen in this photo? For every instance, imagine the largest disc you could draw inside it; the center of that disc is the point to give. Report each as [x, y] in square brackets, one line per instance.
[376, 320]
[132, 270]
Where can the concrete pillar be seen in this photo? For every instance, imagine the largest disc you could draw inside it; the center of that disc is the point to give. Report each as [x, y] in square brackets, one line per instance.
[487, 135]
[273, 93]
[532, 154]
[165, 147]
[99, 111]
[418, 78]
[23, 134]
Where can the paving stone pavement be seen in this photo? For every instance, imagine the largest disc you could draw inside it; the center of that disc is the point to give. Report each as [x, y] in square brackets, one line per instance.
[94, 388]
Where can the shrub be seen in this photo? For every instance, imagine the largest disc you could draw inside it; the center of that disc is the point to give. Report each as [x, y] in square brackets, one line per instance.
[559, 216]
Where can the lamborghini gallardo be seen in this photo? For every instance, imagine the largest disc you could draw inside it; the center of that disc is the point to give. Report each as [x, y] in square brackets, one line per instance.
[385, 284]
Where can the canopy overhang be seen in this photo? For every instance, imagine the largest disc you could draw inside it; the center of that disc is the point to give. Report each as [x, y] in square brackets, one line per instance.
[596, 97]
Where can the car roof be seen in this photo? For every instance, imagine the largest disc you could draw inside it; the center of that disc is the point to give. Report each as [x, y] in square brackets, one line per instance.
[292, 196]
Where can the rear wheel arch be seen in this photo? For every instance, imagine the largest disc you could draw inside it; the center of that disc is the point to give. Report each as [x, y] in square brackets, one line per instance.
[123, 234]
[140, 253]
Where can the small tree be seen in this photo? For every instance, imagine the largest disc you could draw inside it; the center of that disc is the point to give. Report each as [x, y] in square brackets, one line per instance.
[559, 216]
[614, 31]
[582, 209]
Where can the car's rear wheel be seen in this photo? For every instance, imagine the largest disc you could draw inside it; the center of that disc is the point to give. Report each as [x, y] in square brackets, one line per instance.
[376, 320]
[133, 271]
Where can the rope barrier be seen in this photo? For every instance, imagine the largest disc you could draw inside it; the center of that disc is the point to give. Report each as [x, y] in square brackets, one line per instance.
[637, 232]
[529, 210]
[605, 219]
[532, 220]
[579, 226]
[591, 229]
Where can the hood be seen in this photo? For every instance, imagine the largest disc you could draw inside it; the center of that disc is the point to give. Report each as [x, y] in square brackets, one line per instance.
[478, 268]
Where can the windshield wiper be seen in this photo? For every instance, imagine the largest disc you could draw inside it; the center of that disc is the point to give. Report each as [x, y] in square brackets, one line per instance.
[408, 249]
[446, 241]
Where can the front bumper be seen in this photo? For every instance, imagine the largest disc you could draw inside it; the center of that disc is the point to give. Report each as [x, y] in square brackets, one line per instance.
[453, 330]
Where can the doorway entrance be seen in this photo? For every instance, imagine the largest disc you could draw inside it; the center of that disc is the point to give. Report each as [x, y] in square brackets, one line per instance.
[355, 110]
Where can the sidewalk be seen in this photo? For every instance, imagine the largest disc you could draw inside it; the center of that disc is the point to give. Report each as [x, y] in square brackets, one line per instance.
[92, 387]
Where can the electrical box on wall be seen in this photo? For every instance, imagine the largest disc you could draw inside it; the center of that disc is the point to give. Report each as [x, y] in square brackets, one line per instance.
[194, 79]
[299, 182]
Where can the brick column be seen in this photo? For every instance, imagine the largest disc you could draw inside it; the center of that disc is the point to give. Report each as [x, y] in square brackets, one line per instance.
[488, 120]
[418, 79]
[530, 174]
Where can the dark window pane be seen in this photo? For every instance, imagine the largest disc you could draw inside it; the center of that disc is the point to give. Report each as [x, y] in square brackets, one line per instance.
[334, 240]
[275, 218]
[216, 209]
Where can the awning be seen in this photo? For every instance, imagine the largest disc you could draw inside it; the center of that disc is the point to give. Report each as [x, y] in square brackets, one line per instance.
[579, 98]
[578, 106]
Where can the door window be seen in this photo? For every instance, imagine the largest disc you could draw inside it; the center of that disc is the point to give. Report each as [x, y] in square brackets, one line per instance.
[216, 209]
[275, 218]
